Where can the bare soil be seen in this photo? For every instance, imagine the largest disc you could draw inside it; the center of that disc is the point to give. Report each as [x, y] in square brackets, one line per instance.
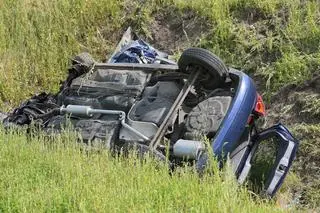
[172, 31]
[288, 105]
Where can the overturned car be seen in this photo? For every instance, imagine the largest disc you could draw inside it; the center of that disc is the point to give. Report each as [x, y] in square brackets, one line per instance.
[142, 99]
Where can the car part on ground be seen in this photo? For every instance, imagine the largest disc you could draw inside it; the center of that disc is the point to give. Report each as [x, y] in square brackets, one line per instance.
[132, 49]
[188, 149]
[205, 118]
[159, 107]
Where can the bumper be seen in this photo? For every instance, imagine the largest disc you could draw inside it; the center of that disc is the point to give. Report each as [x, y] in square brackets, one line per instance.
[234, 123]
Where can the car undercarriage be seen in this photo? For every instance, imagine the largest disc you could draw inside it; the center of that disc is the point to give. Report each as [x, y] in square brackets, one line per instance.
[142, 99]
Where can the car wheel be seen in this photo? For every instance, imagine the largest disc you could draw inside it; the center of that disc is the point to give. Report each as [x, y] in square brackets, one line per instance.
[207, 61]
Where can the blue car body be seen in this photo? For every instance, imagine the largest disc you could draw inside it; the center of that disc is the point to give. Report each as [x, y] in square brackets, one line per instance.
[234, 126]
[235, 121]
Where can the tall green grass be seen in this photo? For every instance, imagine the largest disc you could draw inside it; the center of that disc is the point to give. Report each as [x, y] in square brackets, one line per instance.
[57, 175]
[308, 184]
[38, 37]
[277, 39]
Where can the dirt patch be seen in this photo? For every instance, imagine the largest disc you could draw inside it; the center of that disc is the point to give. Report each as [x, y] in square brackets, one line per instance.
[173, 30]
[248, 14]
[291, 105]
[297, 107]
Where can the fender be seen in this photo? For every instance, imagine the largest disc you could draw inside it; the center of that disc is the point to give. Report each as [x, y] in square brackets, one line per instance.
[236, 119]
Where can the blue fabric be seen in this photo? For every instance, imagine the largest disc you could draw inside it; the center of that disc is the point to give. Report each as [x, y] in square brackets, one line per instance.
[137, 51]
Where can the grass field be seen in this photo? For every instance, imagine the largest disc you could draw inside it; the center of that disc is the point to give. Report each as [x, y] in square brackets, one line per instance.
[275, 41]
[278, 40]
[40, 176]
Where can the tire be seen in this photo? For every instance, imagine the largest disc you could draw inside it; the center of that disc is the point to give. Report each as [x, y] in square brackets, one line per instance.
[209, 63]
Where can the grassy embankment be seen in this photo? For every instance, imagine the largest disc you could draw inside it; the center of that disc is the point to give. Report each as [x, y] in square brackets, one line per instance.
[276, 41]
[39, 176]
